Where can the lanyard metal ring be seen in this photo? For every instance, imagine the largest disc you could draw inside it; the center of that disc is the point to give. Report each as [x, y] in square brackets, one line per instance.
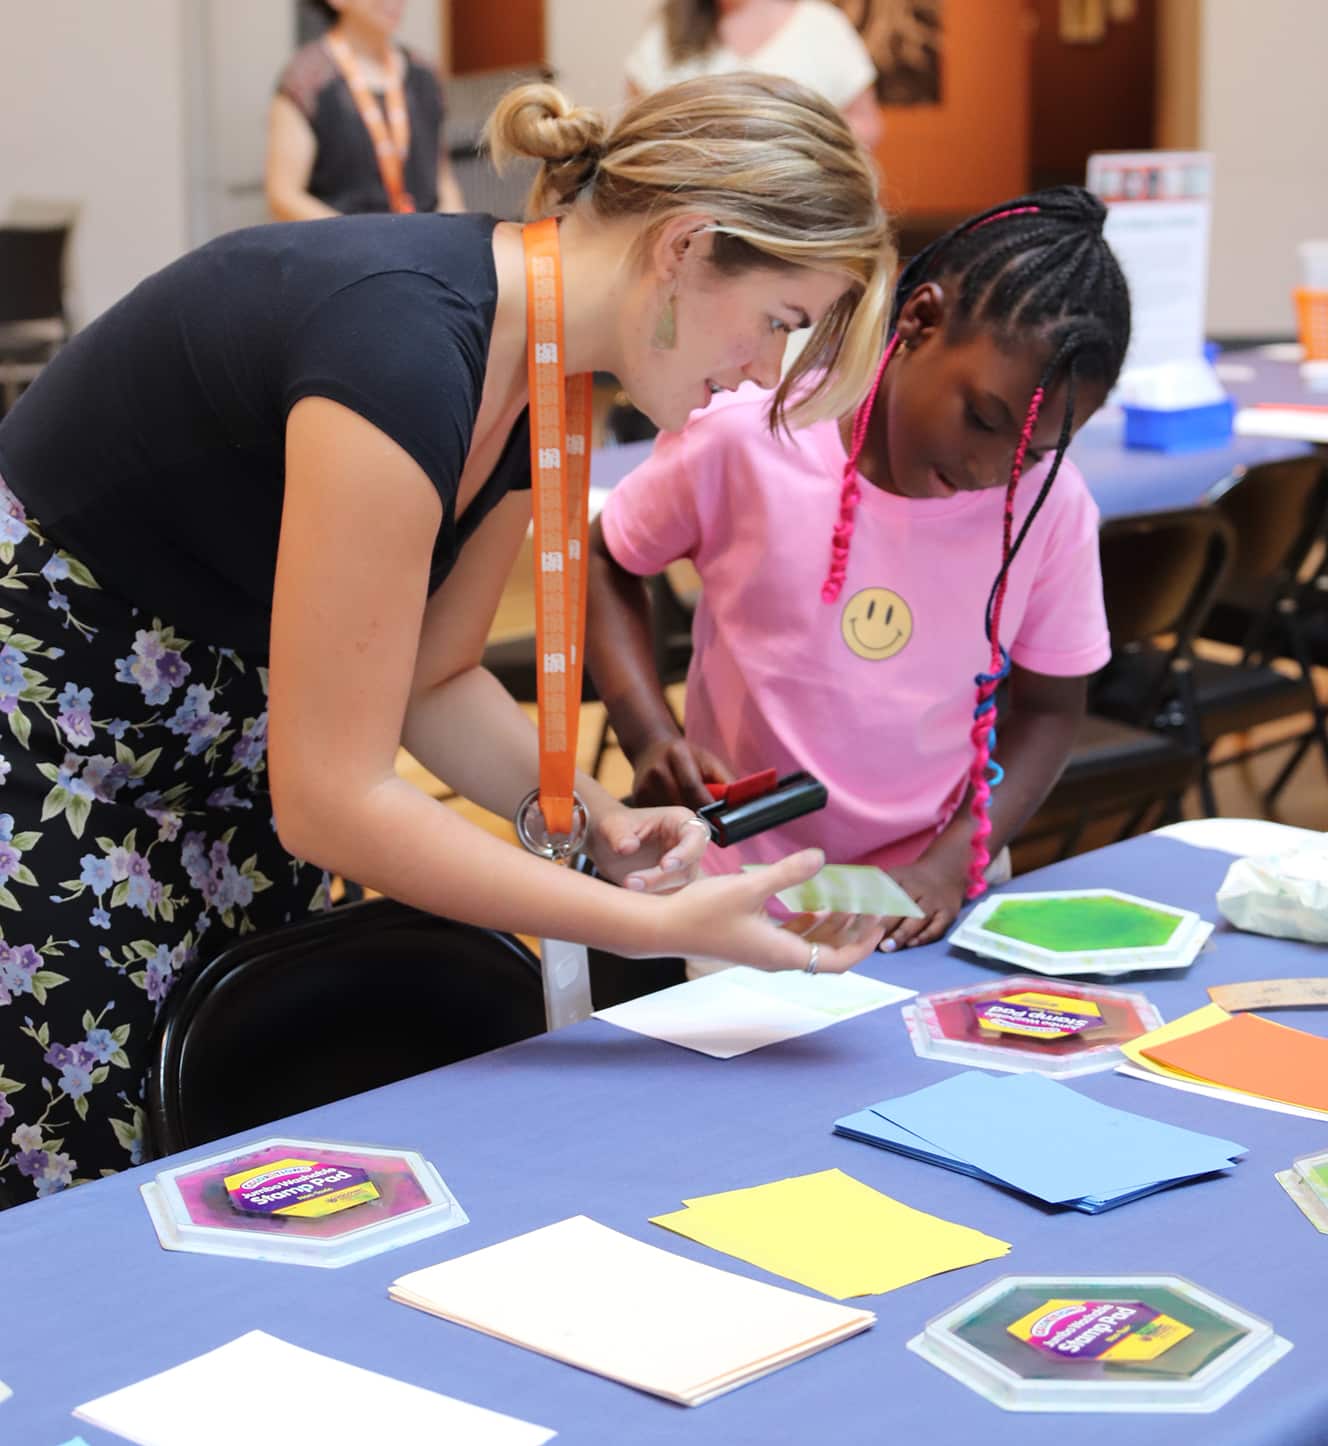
[535, 836]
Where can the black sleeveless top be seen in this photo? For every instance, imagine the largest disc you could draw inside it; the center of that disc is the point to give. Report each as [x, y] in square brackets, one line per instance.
[153, 446]
[345, 174]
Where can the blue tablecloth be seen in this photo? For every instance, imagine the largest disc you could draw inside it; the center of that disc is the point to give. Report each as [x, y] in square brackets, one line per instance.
[1123, 479]
[598, 1121]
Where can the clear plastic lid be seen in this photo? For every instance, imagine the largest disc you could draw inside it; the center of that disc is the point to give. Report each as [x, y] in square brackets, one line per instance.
[305, 1202]
[1312, 1172]
[1306, 1183]
[1100, 1343]
[1023, 1024]
[1083, 931]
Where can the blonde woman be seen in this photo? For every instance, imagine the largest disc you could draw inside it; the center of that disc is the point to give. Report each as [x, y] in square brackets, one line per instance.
[810, 41]
[260, 514]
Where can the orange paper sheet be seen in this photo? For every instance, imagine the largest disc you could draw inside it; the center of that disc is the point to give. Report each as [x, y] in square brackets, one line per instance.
[1252, 1054]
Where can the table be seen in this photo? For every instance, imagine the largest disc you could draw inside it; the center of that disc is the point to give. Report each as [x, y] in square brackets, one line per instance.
[1122, 479]
[620, 1127]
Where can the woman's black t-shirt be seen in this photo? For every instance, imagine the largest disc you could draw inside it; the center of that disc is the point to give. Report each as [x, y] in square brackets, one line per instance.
[345, 172]
[153, 446]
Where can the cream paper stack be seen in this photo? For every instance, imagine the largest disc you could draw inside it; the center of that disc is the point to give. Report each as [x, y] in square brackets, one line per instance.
[594, 1298]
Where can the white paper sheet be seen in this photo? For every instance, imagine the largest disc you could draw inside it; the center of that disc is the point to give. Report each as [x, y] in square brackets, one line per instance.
[600, 1300]
[1216, 1092]
[261, 1388]
[1296, 424]
[741, 1009]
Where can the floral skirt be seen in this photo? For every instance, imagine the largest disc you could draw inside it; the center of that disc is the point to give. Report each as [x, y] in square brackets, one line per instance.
[136, 839]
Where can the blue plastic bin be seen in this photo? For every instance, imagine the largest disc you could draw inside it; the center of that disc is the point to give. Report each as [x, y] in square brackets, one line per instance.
[1189, 429]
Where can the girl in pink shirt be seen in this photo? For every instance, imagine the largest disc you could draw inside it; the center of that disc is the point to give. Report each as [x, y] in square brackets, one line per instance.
[869, 583]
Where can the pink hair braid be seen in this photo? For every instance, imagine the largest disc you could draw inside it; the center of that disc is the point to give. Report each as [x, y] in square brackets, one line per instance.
[851, 493]
[983, 733]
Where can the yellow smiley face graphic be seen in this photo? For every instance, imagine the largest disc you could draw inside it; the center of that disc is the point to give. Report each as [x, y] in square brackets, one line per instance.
[876, 623]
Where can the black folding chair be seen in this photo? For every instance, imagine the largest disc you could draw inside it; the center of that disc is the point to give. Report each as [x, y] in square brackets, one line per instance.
[342, 1002]
[1268, 607]
[33, 324]
[1160, 574]
[1113, 769]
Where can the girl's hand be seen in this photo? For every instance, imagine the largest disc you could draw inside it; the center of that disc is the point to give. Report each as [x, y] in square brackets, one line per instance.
[724, 918]
[676, 771]
[936, 884]
[653, 850]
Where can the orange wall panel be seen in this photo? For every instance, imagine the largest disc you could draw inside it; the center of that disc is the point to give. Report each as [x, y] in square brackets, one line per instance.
[971, 150]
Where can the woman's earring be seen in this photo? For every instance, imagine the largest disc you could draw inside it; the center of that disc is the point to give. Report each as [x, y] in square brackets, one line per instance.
[666, 327]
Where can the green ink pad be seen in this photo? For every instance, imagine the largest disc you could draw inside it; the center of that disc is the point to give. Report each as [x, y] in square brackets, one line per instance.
[1084, 931]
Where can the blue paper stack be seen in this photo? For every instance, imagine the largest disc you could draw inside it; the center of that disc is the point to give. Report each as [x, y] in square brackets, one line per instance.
[1030, 1134]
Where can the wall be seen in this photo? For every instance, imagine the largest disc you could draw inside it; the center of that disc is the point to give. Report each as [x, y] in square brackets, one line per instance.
[586, 42]
[109, 135]
[1177, 115]
[971, 150]
[1262, 114]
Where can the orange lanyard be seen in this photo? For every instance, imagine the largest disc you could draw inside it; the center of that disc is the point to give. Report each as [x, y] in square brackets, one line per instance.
[560, 483]
[390, 147]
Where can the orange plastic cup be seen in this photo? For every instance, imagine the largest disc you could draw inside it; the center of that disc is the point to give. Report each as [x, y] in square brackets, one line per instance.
[1312, 316]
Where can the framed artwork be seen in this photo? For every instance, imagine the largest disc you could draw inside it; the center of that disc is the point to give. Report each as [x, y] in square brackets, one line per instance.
[903, 37]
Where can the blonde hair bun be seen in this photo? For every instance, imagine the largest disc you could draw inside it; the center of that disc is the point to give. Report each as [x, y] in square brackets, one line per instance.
[538, 122]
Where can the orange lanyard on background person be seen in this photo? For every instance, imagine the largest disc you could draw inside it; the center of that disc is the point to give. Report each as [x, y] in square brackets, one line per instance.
[391, 139]
[560, 487]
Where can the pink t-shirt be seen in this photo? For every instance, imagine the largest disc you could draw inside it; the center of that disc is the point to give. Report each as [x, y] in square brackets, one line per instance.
[874, 693]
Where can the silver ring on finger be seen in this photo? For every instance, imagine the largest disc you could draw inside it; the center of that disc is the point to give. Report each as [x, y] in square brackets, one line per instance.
[811, 962]
[697, 821]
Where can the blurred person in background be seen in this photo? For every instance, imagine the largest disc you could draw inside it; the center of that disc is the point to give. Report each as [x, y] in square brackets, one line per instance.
[357, 123]
[809, 41]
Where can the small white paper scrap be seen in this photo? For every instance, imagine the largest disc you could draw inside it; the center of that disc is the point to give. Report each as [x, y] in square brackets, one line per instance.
[741, 1009]
[293, 1395]
[1298, 424]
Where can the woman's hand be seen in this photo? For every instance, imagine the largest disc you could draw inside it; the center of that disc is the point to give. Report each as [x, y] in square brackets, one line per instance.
[653, 850]
[724, 917]
[936, 884]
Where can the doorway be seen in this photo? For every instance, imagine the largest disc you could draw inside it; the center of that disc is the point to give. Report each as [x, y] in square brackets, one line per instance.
[1092, 94]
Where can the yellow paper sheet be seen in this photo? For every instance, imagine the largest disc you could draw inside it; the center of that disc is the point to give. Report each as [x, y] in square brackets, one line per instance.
[832, 1233]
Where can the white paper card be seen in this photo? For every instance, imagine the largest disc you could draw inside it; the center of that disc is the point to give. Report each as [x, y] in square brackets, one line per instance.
[600, 1300]
[1296, 424]
[741, 1009]
[1159, 205]
[286, 1393]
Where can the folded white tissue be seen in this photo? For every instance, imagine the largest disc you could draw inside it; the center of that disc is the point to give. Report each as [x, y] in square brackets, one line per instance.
[1285, 895]
[1171, 386]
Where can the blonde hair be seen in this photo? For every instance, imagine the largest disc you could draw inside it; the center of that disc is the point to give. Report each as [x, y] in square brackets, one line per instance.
[771, 162]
